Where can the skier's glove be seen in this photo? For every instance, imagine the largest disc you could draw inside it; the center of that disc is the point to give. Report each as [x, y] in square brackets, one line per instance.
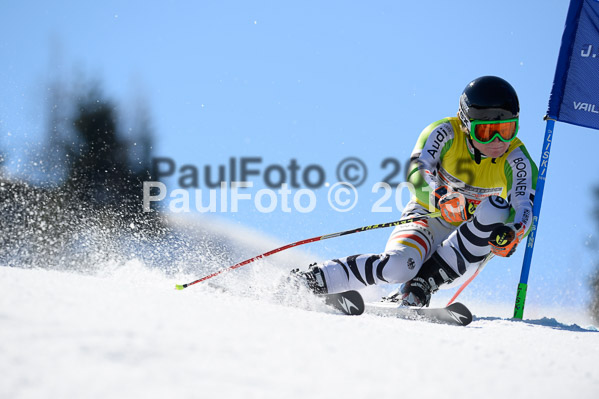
[504, 239]
[453, 205]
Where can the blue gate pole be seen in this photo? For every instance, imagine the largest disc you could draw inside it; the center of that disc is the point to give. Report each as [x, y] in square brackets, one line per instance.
[536, 211]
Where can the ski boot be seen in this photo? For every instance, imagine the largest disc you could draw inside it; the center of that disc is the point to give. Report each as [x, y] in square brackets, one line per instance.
[414, 293]
[348, 302]
[313, 279]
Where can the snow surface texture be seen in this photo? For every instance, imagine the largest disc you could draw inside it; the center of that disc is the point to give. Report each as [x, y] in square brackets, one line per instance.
[122, 331]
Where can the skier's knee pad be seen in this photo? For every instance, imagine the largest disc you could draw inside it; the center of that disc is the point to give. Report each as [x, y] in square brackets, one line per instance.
[403, 264]
[491, 210]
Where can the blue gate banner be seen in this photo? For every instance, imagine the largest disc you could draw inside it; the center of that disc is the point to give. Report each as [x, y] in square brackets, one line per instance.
[575, 94]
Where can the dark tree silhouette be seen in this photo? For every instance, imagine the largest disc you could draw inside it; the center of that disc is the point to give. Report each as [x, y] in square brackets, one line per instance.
[99, 165]
[106, 169]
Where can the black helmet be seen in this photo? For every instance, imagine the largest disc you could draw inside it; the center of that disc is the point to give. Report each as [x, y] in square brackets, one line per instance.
[489, 98]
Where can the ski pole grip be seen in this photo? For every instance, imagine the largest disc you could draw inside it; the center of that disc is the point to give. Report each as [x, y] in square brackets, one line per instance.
[502, 236]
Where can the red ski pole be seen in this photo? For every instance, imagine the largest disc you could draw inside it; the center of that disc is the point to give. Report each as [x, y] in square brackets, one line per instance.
[309, 240]
[478, 270]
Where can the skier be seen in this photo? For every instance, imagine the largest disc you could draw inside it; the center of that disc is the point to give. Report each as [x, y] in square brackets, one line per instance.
[479, 175]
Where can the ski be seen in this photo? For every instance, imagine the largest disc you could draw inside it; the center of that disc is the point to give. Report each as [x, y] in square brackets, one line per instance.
[349, 302]
[454, 314]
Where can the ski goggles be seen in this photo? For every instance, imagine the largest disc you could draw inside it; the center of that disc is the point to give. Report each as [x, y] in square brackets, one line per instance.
[486, 131]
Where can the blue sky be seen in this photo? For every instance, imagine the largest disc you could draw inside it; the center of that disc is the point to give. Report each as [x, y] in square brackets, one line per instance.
[316, 82]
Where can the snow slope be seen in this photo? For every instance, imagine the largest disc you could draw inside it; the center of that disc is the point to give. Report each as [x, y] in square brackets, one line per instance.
[126, 333]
